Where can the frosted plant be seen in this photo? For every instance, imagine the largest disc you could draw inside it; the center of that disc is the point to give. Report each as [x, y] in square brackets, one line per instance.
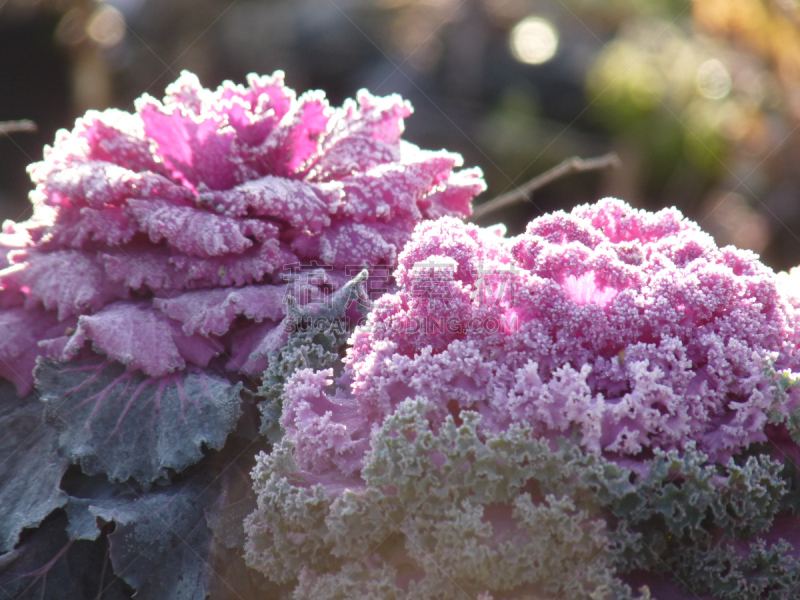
[160, 216]
[150, 284]
[597, 386]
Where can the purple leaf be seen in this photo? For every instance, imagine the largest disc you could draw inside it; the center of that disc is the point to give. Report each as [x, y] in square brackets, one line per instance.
[456, 197]
[21, 330]
[143, 267]
[112, 136]
[99, 184]
[80, 227]
[69, 281]
[305, 206]
[161, 270]
[251, 266]
[213, 311]
[198, 147]
[137, 335]
[295, 139]
[255, 111]
[392, 190]
[362, 136]
[252, 345]
[161, 543]
[12, 237]
[345, 243]
[198, 232]
[125, 425]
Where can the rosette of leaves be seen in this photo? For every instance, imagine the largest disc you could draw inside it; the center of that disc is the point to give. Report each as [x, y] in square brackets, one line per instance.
[182, 217]
[603, 402]
[140, 306]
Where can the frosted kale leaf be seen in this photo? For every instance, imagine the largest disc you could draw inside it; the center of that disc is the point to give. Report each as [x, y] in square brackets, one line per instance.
[630, 328]
[768, 571]
[126, 425]
[142, 339]
[160, 542]
[448, 513]
[444, 514]
[30, 468]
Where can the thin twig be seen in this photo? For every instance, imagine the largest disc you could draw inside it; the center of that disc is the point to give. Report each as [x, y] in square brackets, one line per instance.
[7, 127]
[570, 165]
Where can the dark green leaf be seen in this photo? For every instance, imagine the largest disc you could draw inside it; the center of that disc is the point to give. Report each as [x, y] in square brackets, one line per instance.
[30, 468]
[50, 566]
[161, 543]
[124, 424]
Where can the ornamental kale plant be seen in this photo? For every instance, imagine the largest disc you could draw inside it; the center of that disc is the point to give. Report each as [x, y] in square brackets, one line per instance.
[141, 303]
[153, 213]
[604, 402]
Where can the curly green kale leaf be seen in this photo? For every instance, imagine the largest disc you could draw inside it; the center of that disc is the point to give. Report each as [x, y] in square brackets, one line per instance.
[443, 514]
[452, 512]
[317, 333]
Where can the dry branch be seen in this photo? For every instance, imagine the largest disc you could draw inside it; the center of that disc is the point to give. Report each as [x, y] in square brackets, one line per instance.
[524, 192]
[8, 127]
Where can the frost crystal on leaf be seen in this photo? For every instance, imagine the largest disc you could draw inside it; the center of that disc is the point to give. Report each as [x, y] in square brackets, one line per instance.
[125, 425]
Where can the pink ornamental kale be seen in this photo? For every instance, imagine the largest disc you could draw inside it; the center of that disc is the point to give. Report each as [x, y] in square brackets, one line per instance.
[434, 464]
[629, 330]
[147, 225]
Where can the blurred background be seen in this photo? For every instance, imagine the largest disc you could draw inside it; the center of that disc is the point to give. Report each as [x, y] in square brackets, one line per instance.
[700, 100]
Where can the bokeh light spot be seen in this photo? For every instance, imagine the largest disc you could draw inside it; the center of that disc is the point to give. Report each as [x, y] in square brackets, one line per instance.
[713, 80]
[70, 30]
[106, 26]
[534, 40]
